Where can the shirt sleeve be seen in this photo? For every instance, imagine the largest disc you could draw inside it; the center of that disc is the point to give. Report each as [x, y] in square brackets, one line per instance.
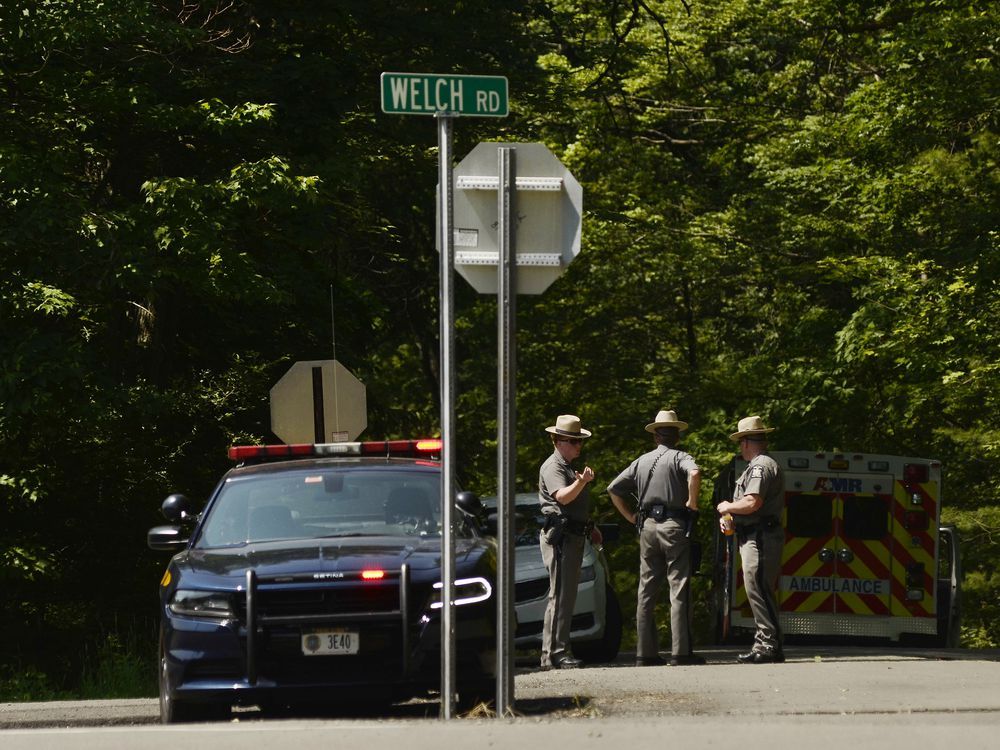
[624, 484]
[758, 478]
[552, 478]
[687, 464]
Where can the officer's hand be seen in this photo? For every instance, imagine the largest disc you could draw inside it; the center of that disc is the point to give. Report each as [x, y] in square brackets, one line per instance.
[587, 475]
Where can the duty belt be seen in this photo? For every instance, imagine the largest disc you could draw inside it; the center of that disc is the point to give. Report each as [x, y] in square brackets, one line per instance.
[570, 526]
[765, 523]
[660, 512]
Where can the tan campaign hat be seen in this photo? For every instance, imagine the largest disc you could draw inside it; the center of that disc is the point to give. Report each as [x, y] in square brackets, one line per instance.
[568, 425]
[750, 426]
[666, 418]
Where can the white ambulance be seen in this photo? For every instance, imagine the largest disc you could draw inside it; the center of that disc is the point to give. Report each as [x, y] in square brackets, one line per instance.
[865, 555]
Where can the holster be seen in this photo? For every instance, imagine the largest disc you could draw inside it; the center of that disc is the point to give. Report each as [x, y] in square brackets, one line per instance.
[554, 529]
[744, 531]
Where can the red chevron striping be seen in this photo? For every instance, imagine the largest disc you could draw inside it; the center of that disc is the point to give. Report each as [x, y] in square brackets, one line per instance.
[864, 553]
[809, 549]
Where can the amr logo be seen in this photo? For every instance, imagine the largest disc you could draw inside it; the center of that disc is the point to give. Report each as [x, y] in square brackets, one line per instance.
[837, 484]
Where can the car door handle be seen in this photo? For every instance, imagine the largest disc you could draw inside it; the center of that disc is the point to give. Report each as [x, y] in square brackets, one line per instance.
[845, 555]
[826, 555]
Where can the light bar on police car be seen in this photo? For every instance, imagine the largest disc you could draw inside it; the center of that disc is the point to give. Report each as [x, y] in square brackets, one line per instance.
[421, 447]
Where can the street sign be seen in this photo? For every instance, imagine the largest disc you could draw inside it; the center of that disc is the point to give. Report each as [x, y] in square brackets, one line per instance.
[434, 93]
[318, 401]
[548, 223]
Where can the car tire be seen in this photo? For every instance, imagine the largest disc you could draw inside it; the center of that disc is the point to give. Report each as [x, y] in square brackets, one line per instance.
[173, 711]
[605, 650]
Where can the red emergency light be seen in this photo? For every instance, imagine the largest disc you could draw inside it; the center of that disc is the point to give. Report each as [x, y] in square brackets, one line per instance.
[424, 447]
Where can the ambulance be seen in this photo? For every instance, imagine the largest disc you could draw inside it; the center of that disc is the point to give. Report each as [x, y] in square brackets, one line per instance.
[865, 554]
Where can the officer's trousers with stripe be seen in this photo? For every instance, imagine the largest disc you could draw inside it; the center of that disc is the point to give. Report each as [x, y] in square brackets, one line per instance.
[761, 551]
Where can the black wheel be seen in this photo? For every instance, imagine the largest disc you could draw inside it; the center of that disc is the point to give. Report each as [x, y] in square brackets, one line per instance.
[604, 650]
[173, 711]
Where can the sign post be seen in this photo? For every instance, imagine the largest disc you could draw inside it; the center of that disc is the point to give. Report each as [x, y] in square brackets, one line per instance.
[519, 240]
[447, 341]
[446, 97]
[506, 423]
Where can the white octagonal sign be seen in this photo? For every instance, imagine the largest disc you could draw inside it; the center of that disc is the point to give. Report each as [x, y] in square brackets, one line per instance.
[547, 228]
[318, 401]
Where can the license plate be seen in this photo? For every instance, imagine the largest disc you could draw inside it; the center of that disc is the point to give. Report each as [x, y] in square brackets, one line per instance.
[330, 642]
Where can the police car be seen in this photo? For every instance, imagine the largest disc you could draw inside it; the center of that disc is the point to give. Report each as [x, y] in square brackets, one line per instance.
[597, 619]
[313, 575]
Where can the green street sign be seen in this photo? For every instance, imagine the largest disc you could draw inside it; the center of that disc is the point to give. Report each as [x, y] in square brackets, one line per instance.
[431, 93]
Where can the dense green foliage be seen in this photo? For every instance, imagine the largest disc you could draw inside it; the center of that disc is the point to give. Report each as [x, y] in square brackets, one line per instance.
[791, 210]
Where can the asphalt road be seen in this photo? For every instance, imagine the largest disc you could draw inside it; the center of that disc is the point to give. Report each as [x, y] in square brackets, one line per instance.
[821, 697]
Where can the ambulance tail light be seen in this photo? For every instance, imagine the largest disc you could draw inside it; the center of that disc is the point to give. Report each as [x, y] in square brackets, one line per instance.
[915, 582]
[916, 473]
[916, 520]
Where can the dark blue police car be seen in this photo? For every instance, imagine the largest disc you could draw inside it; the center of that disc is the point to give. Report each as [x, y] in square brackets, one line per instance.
[313, 575]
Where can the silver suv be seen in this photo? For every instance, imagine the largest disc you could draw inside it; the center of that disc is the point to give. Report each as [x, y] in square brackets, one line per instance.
[597, 619]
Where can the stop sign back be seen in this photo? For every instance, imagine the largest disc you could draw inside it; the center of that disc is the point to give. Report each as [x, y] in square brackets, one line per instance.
[548, 223]
[318, 401]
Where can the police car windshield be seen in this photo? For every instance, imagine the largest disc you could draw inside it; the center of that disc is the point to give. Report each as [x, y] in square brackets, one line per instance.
[324, 503]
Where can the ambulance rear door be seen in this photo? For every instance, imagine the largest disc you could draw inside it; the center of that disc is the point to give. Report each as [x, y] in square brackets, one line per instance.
[838, 537]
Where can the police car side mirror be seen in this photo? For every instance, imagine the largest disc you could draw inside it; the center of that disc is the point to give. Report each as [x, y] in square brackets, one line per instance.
[469, 502]
[166, 539]
[175, 508]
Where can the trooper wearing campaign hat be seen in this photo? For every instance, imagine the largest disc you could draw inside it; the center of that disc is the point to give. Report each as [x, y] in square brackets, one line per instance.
[665, 483]
[755, 510]
[564, 494]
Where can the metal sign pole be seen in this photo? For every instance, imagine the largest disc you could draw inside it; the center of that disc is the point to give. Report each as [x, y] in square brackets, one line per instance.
[506, 419]
[448, 437]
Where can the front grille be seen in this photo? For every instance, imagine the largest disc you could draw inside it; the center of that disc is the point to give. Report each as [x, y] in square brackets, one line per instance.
[348, 599]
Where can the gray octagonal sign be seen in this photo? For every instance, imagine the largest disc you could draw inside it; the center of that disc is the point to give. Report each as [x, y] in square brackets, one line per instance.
[318, 401]
[549, 206]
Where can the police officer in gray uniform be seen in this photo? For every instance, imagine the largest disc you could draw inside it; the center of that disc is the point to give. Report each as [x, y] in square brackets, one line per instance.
[758, 499]
[666, 481]
[564, 495]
